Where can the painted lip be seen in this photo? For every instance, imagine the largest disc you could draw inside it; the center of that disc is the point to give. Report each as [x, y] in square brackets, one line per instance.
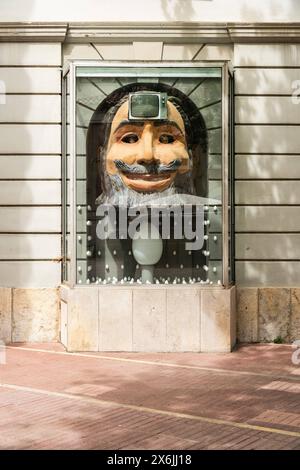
[147, 182]
[147, 176]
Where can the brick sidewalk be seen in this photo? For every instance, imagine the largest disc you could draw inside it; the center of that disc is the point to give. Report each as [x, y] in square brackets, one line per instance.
[50, 399]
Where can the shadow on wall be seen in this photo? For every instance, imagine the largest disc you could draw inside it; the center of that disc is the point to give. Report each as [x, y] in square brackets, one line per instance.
[267, 139]
[180, 9]
[23, 167]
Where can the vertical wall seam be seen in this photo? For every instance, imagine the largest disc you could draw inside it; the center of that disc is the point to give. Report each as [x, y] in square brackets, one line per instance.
[258, 313]
[162, 51]
[11, 313]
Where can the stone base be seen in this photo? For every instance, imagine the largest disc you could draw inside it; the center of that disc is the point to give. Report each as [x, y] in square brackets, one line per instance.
[29, 315]
[268, 314]
[148, 319]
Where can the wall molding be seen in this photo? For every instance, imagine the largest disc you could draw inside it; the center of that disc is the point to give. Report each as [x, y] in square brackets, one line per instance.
[33, 32]
[173, 32]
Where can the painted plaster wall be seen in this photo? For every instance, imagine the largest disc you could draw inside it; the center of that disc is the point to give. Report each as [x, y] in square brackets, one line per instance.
[154, 10]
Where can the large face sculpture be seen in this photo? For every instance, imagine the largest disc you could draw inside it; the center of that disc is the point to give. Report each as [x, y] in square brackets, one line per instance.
[147, 154]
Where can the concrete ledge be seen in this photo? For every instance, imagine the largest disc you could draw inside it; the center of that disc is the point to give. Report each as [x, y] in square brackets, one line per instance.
[148, 318]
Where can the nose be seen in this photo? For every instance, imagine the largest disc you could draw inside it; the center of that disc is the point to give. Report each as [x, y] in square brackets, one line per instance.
[146, 152]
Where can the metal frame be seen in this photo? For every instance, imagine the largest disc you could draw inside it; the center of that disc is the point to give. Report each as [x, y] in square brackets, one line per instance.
[226, 67]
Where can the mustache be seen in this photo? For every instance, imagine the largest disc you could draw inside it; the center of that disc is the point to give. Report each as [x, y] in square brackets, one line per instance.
[152, 168]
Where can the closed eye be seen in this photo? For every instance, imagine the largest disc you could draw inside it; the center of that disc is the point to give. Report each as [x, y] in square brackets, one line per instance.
[130, 138]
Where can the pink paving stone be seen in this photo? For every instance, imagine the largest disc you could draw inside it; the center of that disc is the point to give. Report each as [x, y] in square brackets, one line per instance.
[255, 384]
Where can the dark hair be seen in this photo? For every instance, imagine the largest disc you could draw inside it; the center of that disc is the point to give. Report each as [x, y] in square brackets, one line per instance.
[99, 131]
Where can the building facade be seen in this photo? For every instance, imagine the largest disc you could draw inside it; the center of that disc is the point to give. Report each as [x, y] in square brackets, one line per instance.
[257, 177]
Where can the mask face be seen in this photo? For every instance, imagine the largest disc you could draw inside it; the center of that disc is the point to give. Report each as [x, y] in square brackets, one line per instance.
[147, 155]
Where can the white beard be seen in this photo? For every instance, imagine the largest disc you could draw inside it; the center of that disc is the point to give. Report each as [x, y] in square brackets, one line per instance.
[121, 195]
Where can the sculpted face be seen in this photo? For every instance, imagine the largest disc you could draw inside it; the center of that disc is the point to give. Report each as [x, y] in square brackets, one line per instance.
[147, 154]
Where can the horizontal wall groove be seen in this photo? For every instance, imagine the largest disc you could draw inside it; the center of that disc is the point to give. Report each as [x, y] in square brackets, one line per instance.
[31, 179]
[22, 66]
[8, 260]
[31, 233]
[264, 95]
[289, 180]
[30, 123]
[39, 154]
[30, 205]
[269, 260]
[269, 124]
[286, 154]
[267, 67]
[263, 232]
[30, 94]
[267, 205]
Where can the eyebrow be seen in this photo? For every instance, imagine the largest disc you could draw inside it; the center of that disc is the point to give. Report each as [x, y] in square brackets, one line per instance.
[141, 123]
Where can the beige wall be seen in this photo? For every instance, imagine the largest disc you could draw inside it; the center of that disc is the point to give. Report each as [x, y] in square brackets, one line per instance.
[30, 164]
[154, 10]
[267, 165]
[267, 155]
